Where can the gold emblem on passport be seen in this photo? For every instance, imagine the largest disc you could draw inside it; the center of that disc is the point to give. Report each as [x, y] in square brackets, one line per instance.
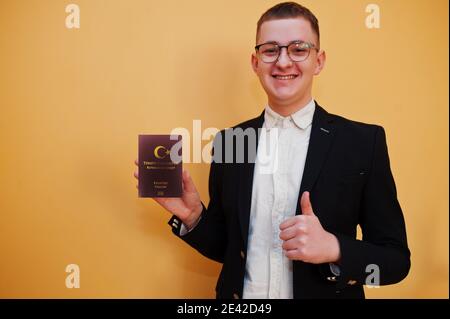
[164, 151]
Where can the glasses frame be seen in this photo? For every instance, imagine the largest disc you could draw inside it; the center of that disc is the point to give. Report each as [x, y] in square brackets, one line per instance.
[310, 46]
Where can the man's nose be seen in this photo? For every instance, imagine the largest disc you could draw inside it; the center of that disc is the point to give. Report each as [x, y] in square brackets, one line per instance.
[284, 60]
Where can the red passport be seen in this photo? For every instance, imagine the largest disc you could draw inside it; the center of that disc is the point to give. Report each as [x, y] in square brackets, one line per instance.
[160, 166]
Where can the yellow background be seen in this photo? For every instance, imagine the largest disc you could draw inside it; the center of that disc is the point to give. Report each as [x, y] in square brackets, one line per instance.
[73, 102]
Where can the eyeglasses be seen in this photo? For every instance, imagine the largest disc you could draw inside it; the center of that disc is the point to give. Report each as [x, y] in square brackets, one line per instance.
[297, 51]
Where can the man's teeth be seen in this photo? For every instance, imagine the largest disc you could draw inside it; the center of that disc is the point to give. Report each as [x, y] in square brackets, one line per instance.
[285, 77]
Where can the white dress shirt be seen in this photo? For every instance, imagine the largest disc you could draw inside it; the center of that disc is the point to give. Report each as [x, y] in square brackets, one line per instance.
[278, 172]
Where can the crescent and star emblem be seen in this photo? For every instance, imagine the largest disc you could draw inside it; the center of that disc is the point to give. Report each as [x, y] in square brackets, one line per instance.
[164, 152]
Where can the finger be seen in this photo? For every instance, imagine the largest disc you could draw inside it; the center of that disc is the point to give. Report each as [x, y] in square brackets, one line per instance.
[296, 230]
[160, 200]
[136, 175]
[288, 233]
[305, 204]
[171, 205]
[291, 254]
[288, 223]
[188, 183]
[291, 244]
[136, 162]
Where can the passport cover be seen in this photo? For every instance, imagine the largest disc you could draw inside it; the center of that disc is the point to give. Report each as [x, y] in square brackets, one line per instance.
[159, 176]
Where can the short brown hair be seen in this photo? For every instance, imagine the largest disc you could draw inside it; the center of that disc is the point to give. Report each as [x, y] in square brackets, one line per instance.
[286, 10]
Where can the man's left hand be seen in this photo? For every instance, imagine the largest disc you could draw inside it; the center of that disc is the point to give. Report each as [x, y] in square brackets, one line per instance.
[305, 239]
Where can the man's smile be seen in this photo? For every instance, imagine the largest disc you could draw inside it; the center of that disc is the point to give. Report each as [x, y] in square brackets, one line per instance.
[284, 76]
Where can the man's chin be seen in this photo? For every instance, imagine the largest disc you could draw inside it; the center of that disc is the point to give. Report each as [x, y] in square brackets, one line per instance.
[283, 97]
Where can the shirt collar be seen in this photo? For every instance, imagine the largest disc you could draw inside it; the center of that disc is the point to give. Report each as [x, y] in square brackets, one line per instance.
[302, 118]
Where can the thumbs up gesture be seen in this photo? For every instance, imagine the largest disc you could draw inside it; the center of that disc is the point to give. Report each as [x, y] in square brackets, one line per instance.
[305, 239]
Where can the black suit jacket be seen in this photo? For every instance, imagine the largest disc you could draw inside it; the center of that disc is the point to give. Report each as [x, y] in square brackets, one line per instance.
[348, 175]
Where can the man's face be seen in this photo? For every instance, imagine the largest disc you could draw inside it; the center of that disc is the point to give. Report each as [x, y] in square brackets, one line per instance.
[296, 89]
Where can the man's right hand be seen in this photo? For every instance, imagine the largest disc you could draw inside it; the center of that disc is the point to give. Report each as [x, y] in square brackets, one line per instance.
[188, 207]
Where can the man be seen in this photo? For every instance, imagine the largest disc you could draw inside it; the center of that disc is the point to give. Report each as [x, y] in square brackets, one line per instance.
[291, 232]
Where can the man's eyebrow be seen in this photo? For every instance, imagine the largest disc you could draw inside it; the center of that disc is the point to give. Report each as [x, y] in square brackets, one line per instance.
[270, 42]
[293, 41]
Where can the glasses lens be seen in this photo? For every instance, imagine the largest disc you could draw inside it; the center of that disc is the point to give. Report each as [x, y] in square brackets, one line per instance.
[269, 52]
[298, 51]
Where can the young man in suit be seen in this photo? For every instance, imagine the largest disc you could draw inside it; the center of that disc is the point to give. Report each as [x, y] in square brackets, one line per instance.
[291, 232]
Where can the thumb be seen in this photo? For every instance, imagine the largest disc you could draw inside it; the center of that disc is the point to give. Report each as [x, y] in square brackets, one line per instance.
[305, 204]
[188, 183]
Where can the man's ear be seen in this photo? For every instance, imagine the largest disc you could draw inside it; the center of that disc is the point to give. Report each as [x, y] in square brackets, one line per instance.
[321, 59]
[254, 62]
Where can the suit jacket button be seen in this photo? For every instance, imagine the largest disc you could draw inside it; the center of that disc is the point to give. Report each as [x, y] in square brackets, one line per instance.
[235, 296]
[242, 254]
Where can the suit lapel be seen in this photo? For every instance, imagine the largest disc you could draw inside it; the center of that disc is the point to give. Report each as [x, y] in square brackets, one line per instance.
[322, 135]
